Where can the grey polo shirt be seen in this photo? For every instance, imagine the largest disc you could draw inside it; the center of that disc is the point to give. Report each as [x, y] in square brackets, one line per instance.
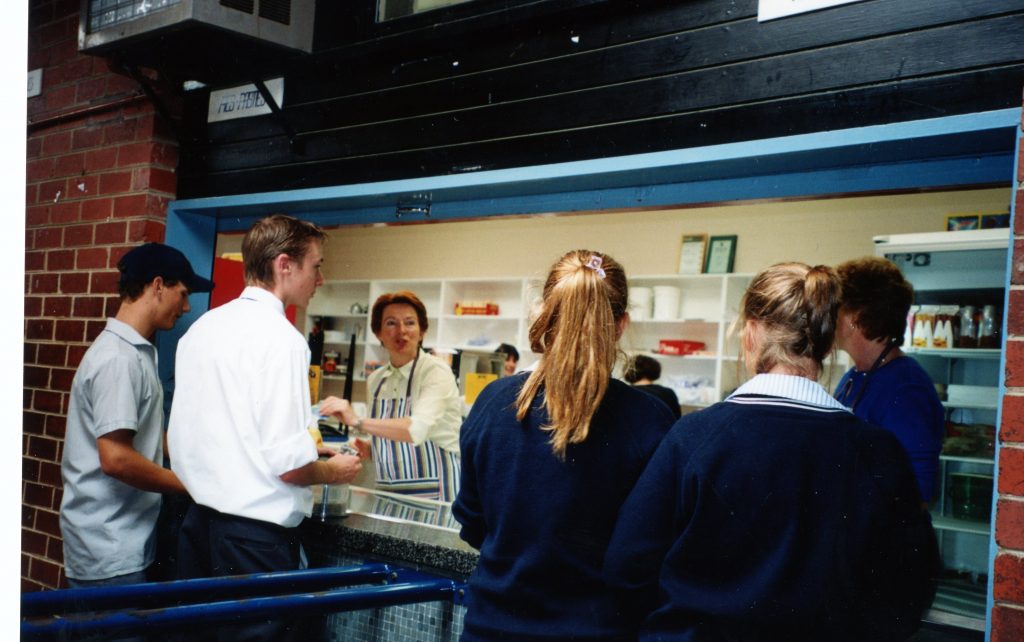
[108, 526]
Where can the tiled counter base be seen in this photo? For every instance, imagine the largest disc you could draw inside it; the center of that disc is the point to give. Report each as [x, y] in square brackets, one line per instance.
[412, 540]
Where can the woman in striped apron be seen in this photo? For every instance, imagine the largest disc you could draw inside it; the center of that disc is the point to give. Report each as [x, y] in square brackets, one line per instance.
[415, 409]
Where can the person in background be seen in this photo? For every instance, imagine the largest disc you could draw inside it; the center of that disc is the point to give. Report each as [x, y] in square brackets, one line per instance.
[547, 458]
[414, 403]
[777, 514]
[112, 466]
[511, 358]
[642, 371]
[240, 417]
[885, 387]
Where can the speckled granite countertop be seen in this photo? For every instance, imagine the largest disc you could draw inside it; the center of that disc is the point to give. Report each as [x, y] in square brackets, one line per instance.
[384, 527]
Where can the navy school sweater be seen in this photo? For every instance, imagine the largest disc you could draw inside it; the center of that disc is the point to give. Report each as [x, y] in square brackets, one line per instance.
[763, 518]
[542, 524]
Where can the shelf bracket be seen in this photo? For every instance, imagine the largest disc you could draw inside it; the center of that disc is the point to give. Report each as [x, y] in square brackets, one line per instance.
[296, 145]
[158, 101]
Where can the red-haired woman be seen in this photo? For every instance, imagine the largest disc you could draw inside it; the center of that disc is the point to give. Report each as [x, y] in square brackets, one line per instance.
[415, 409]
[886, 387]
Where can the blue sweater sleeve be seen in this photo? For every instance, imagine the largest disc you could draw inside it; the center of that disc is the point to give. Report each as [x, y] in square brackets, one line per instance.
[468, 508]
[899, 572]
[917, 423]
[901, 398]
[646, 529]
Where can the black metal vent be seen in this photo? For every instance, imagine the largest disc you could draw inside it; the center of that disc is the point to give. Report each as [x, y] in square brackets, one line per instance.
[277, 10]
[247, 6]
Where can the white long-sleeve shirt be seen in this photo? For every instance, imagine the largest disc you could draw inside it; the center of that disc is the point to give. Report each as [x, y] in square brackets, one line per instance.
[241, 411]
[436, 405]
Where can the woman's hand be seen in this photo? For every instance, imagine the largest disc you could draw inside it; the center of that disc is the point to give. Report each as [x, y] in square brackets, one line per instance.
[340, 408]
[364, 448]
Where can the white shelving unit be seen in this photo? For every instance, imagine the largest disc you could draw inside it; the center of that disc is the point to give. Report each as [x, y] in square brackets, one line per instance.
[335, 303]
[962, 268]
[956, 353]
[478, 332]
[707, 306]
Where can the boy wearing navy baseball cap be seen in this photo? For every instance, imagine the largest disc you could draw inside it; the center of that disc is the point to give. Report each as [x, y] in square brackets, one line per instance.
[146, 262]
[112, 465]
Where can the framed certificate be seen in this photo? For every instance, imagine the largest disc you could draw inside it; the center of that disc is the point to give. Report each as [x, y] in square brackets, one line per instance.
[691, 256]
[721, 255]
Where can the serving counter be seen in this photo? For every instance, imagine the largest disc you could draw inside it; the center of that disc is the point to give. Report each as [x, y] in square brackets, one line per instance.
[369, 525]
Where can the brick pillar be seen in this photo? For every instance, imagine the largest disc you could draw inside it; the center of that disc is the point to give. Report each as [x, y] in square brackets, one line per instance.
[100, 172]
[1008, 574]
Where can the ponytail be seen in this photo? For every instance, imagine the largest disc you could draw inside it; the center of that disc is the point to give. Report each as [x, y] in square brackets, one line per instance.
[796, 306]
[577, 331]
[822, 297]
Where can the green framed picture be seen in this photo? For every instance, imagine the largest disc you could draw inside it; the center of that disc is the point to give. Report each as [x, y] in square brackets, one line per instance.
[721, 255]
[995, 221]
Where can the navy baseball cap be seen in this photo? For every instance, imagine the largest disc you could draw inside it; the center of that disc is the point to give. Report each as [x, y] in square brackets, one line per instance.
[146, 262]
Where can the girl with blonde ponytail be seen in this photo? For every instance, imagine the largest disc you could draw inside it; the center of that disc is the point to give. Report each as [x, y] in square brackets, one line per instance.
[777, 514]
[577, 331]
[547, 459]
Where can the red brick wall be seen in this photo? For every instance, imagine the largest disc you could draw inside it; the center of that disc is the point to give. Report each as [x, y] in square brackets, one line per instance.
[100, 171]
[1008, 574]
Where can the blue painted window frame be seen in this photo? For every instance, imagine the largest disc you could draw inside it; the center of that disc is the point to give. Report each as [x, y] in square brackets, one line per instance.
[971, 150]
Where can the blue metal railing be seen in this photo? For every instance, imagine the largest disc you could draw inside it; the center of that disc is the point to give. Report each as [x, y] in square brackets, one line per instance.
[162, 606]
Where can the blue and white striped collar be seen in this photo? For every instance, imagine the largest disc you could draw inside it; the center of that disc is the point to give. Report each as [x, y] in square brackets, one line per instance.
[791, 387]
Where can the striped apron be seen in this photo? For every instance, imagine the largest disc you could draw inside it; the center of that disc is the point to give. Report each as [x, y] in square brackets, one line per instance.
[423, 471]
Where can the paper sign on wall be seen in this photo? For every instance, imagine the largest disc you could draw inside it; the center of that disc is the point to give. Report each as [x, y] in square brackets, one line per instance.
[243, 101]
[35, 82]
[772, 9]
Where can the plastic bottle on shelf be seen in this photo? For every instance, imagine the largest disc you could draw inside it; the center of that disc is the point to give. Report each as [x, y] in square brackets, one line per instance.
[924, 326]
[908, 336]
[988, 328]
[968, 337]
[942, 336]
[331, 362]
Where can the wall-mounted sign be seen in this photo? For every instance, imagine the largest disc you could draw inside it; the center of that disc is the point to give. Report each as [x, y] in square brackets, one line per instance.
[772, 9]
[35, 82]
[243, 101]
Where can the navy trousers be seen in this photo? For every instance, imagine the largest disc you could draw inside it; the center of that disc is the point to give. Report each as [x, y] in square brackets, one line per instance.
[213, 544]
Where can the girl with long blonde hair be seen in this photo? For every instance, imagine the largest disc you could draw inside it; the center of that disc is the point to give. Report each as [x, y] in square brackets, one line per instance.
[547, 459]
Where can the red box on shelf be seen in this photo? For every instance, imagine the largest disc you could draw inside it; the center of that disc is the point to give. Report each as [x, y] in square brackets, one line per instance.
[476, 308]
[679, 347]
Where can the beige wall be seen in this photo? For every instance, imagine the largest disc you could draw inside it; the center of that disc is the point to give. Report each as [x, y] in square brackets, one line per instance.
[646, 242]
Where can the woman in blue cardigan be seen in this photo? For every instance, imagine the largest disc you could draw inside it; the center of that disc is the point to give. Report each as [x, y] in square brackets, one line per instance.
[886, 387]
[547, 459]
[777, 514]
